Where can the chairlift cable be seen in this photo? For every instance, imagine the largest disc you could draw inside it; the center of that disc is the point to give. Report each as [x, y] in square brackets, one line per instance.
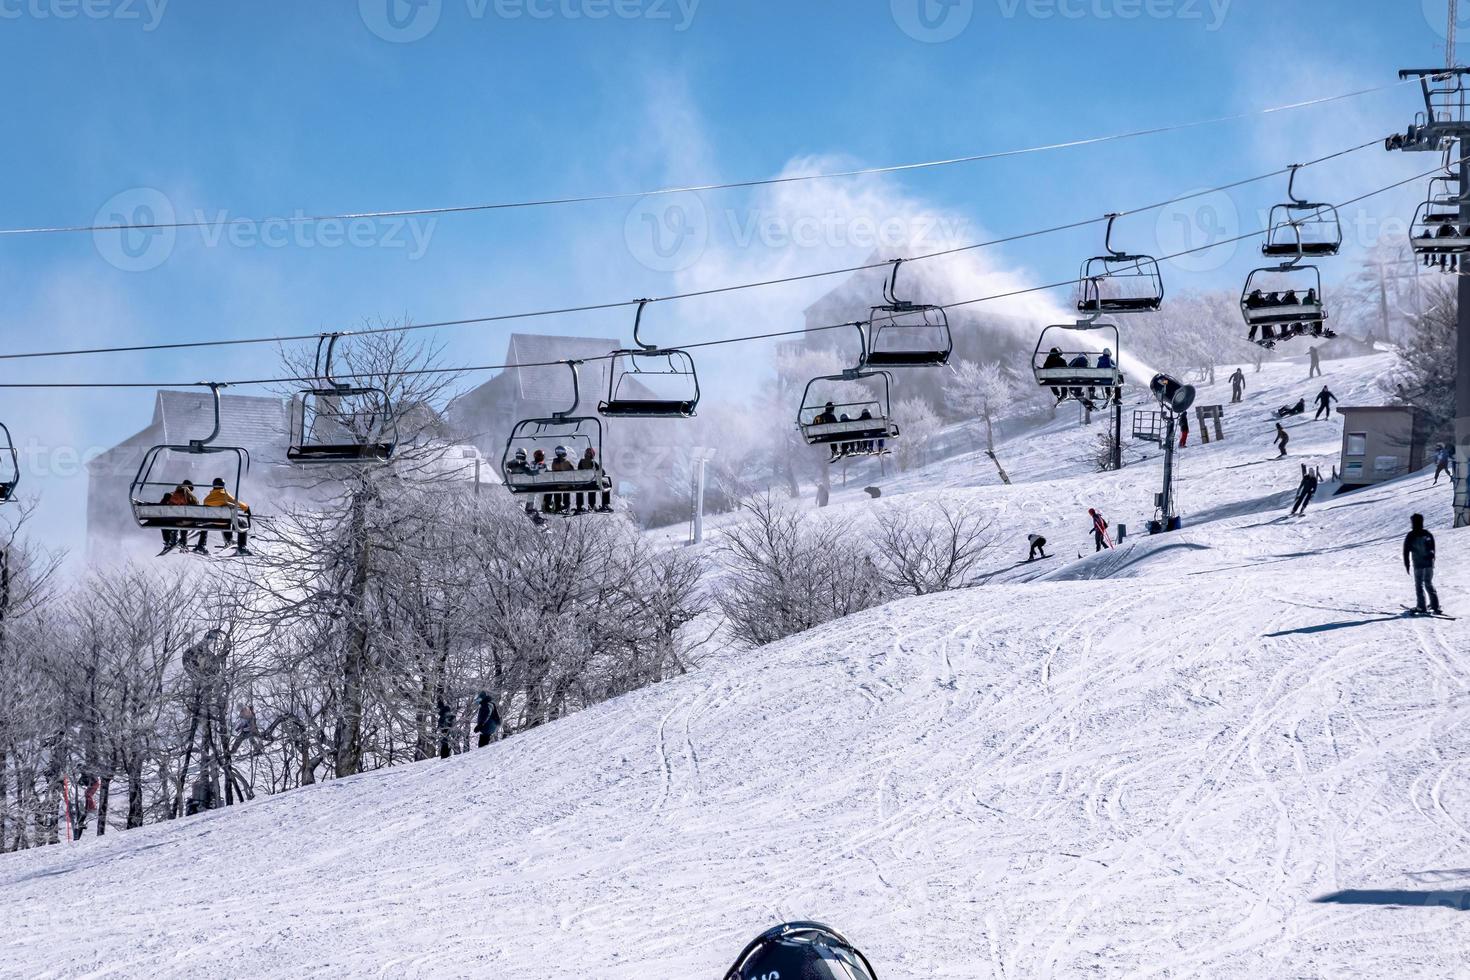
[474, 369]
[696, 188]
[714, 291]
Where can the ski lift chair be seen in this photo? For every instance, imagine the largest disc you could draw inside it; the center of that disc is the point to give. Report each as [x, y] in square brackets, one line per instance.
[166, 467]
[901, 333]
[568, 430]
[1068, 373]
[1284, 302]
[650, 382]
[1120, 282]
[801, 951]
[9, 466]
[1300, 227]
[844, 412]
[335, 422]
[1436, 234]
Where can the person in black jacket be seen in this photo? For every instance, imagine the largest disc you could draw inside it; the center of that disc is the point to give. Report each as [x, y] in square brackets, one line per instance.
[1305, 491]
[487, 718]
[1419, 551]
[1324, 400]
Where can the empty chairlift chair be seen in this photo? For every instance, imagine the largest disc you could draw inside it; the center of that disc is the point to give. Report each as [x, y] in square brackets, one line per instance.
[1300, 227]
[849, 412]
[165, 468]
[650, 382]
[9, 466]
[1119, 282]
[1085, 375]
[336, 422]
[550, 456]
[901, 333]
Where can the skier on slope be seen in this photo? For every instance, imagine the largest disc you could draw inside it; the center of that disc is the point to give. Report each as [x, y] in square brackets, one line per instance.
[487, 718]
[1237, 385]
[1281, 439]
[1038, 547]
[1099, 531]
[1315, 369]
[1324, 400]
[1305, 491]
[1419, 551]
[1443, 460]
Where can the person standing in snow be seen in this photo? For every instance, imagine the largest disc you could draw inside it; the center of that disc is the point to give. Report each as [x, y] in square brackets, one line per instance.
[1099, 531]
[1183, 429]
[1038, 547]
[1419, 551]
[1281, 439]
[487, 718]
[1237, 386]
[1305, 491]
[1315, 371]
[1325, 399]
[1442, 461]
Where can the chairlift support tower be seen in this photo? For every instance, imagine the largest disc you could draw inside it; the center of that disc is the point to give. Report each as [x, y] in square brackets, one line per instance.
[1445, 123]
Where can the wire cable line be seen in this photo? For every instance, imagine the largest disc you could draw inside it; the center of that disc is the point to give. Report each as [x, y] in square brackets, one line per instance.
[713, 291]
[731, 185]
[746, 338]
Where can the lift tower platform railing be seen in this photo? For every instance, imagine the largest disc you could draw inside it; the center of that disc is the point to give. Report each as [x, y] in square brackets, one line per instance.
[1444, 125]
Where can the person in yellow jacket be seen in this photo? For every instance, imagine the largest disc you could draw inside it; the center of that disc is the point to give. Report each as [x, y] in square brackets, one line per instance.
[220, 497]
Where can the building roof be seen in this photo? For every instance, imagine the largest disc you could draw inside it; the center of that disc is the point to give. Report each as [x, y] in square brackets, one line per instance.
[253, 422]
[553, 384]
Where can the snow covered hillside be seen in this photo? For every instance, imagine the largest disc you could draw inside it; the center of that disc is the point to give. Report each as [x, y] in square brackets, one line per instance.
[1220, 752]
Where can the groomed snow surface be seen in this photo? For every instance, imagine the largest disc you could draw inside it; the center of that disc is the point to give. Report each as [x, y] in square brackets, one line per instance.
[1221, 752]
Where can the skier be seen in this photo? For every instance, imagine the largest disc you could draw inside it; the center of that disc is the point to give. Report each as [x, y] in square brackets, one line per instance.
[1038, 547]
[1099, 531]
[1281, 439]
[1315, 371]
[1237, 386]
[1325, 399]
[1419, 550]
[1442, 462]
[1183, 429]
[1305, 491]
[487, 718]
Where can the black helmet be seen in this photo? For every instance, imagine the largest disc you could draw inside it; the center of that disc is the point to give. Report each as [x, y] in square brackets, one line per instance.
[801, 951]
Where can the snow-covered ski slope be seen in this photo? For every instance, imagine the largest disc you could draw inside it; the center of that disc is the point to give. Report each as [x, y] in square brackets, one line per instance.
[1220, 752]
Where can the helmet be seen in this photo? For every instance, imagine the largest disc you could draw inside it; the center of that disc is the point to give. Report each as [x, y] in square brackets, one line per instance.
[801, 951]
[218, 483]
[520, 454]
[561, 450]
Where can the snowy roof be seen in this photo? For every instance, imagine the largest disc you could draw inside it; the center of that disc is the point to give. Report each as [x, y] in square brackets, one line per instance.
[254, 422]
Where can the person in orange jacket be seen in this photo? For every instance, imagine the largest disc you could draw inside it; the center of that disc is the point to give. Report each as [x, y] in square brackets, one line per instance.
[220, 497]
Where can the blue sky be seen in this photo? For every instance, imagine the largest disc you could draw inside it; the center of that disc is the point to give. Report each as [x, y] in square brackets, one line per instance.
[231, 111]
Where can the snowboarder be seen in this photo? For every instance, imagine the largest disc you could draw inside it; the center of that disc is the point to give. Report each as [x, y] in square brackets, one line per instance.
[1325, 399]
[1281, 439]
[1038, 547]
[1237, 386]
[487, 718]
[1183, 429]
[1442, 462]
[1305, 491]
[1419, 551]
[1286, 411]
[1315, 371]
[1099, 531]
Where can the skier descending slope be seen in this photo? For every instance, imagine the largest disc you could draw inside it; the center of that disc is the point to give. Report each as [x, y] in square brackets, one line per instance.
[1099, 531]
[1281, 439]
[1419, 550]
[1305, 491]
